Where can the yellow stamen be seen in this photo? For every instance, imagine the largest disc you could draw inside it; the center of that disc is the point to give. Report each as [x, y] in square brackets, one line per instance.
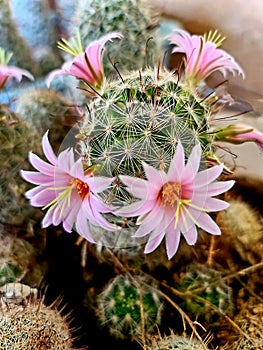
[214, 37]
[74, 49]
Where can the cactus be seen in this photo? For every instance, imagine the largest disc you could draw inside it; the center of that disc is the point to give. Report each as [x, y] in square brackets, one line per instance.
[96, 18]
[140, 119]
[129, 308]
[176, 342]
[17, 138]
[12, 41]
[31, 325]
[19, 261]
[206, 295]
[242, 229]
[47, 110]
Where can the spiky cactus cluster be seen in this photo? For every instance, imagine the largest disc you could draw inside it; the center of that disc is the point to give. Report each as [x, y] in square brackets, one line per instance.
[206, 295]
[141, 119]
[242, 228]
[17, 138]
[176, 342]
[33, 326]
[128, 307]
[96, 18]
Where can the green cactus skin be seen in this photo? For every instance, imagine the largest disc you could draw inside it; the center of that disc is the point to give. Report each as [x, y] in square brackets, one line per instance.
[213, 296]
[176, 342]
[95, 18]
[129, 309]
[12, 41]
[17, 138]
[33, 326]
[47, 109]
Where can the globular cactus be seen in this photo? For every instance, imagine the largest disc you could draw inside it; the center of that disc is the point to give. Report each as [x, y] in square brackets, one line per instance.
[95, 18]
[242, 229]
[139, 119]
[177, 342]
[47, 109]
[206, 295]
[17, 138]
[129, 308]
[27, 324]
[19, 261]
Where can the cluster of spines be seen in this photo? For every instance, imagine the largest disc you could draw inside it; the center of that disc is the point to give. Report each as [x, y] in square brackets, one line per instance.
[129, 307]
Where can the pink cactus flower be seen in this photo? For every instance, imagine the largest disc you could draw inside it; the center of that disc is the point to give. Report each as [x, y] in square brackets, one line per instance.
[239, 133]
[176, 202]
[203, 56]
[87, 66]
[9, 72]
[70, 195]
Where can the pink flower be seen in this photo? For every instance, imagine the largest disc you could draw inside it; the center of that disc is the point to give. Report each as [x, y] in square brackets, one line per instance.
[239, 133]
[202, 56]
[9, 72]
[175, 202]
[87, 66]
[69, 194]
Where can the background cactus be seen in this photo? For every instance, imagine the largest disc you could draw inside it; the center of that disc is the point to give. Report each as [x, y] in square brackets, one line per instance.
[17, 138]
[176, 342]
[33, 326]
[47, 109]
[206, 296]
[19, 261]
[128, 307]
[95, 18]
[242, 228]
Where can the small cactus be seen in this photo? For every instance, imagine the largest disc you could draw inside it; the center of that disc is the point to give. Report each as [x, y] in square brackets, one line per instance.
[96, 18]
[17, 138]
[18, 261]
[242, 228]
[206, 295]
[47, 110]
[129, 308]
[176, 342]
[27, 324]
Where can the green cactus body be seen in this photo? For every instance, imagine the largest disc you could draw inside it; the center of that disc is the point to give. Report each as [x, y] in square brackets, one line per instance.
[17, 138]
[130, 17]
[207, 296]
[129, 309]
[33, 326]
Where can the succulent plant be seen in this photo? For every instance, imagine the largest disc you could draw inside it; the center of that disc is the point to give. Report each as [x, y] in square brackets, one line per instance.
[207, 296]
[47, 109]
[242, 229]
[17, 138]
[177, 342]
[128, 307]
[31, 325]
[133, 18]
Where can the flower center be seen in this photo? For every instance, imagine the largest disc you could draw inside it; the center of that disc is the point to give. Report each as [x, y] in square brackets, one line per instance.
[171, 194]
[82, 188]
